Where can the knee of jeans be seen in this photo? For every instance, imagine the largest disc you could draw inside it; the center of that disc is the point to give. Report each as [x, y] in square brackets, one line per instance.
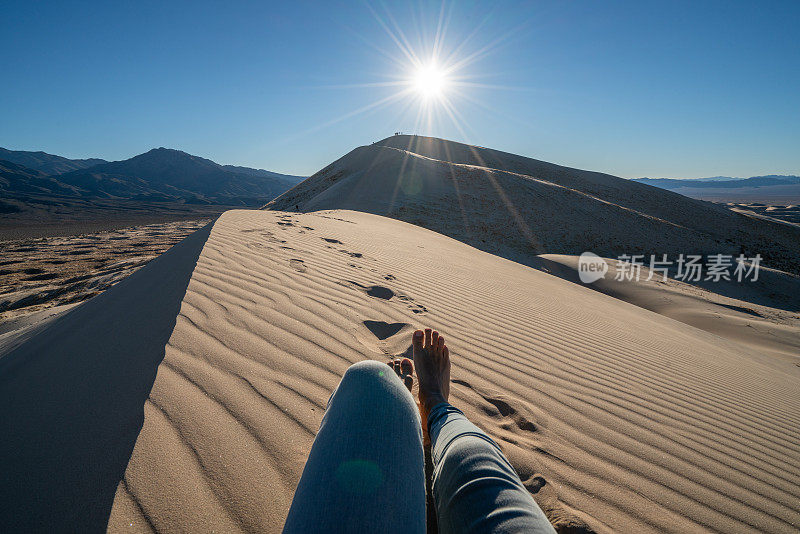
[368, 373]
[372, 387]
[370, 377]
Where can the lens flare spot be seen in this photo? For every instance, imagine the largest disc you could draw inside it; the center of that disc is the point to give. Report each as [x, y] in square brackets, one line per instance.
[361, 477]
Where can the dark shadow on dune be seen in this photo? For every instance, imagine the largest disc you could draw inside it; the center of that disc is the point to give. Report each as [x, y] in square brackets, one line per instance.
[383, 330]
[72, 397]
[741, 309]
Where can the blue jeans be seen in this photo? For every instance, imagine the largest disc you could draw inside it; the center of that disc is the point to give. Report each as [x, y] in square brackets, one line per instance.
[366, 472]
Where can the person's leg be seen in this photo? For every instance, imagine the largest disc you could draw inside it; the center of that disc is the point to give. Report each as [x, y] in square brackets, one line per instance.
[365, 472]
[475, 488]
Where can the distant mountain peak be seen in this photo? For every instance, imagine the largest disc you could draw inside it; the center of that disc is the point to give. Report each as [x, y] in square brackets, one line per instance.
[168, 151]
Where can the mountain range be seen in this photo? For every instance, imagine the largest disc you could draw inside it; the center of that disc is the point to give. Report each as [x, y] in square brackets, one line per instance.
[160, 175]
[721, 181]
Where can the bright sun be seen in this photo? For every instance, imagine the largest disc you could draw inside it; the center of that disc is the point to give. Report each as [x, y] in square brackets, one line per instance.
[426, 74]
[429, 81]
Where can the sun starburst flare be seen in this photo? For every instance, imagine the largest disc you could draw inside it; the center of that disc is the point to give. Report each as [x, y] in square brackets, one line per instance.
[428, 80]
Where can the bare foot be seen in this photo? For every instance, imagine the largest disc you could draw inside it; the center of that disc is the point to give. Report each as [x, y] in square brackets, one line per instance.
[405, 370]
[432, 360]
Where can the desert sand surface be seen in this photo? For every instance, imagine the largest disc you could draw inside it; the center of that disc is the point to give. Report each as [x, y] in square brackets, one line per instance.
[186, 397]
[64, 217]
[728, 309]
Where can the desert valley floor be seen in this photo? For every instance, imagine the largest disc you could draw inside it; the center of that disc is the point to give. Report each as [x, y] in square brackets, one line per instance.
[187, 396]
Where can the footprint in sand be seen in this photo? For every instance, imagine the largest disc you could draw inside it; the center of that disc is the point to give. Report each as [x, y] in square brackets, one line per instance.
[535, 483]
[383, 330]
[298, 265]
[352, 254]
[414, 307]
[384, 293]
[504, 406]
[379, 292]
[269, 236]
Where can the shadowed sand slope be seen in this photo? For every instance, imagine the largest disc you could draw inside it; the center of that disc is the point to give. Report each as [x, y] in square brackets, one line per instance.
[518, 207]
[71, 398]
[616, 418]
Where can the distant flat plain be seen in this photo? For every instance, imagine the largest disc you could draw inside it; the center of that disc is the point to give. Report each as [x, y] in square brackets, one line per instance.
[52, 217]
[53, 265]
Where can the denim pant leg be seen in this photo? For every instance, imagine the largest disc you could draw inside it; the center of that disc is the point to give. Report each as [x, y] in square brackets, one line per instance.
[475, 488]
[366, 470]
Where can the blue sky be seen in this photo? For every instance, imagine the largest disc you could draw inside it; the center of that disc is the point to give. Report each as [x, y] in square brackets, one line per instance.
[660, 89]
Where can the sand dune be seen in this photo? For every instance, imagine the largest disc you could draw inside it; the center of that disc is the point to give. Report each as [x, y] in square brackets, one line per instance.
[530, 211]
[518, 207]
[186, 398]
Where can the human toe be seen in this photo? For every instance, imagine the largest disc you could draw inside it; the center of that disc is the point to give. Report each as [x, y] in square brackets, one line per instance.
[417, 339]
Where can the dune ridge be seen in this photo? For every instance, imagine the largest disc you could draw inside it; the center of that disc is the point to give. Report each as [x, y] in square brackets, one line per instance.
[518, 207]
[616, 418]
